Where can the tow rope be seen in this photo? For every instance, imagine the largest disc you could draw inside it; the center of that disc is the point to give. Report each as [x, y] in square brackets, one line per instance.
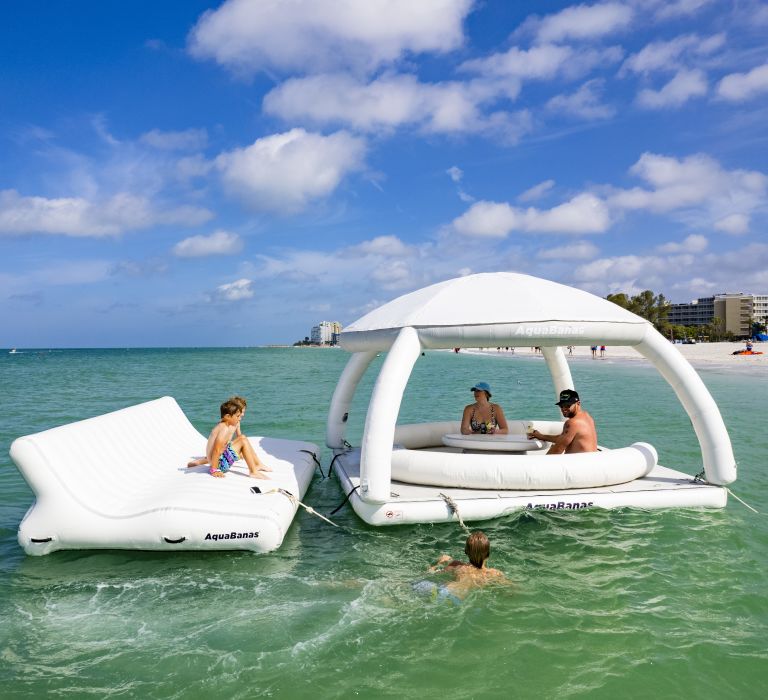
[742, 502]
[454, 509]
[700, 479]
[296, 502]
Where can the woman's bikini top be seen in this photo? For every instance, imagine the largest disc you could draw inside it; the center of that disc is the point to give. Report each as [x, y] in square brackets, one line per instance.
[481, 427]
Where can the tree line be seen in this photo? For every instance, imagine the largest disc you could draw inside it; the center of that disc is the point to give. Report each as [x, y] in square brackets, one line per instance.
[655, 308]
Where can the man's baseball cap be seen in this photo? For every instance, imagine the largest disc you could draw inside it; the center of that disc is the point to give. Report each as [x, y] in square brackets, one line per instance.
[567, 397]
[482, 386]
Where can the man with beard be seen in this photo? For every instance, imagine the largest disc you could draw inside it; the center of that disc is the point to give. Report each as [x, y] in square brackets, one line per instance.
[579, 434]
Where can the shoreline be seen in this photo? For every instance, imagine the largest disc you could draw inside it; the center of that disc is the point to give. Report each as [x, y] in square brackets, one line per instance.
[700, 356]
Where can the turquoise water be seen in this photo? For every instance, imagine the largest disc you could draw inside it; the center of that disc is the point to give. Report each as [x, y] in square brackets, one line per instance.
[605, 603]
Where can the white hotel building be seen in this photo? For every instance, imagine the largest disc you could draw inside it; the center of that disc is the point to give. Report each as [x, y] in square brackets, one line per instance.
[325, 333]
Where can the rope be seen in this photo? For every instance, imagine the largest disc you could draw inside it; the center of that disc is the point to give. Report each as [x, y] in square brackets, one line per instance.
[742, 502]
[454, 509]
[343, 503]
[699, 479]
[317, 462]
[296, 502]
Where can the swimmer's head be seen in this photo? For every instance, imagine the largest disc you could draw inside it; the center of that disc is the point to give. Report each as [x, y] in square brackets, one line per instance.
[477, 548]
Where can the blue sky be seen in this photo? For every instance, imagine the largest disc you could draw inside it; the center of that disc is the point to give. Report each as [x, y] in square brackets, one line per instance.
[202, 173]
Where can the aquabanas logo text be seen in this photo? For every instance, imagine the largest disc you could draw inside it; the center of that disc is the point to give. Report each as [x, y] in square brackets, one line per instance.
[560, 505]
[232, 536]
[557, 330]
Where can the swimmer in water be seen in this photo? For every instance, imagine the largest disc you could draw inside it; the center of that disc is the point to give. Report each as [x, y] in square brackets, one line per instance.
[466, 575]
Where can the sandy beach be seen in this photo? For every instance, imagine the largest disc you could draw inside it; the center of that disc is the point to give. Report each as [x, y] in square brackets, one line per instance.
[699, 355]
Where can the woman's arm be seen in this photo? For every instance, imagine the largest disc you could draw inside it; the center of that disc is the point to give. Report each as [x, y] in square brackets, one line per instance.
[465, 427]
[501, 421]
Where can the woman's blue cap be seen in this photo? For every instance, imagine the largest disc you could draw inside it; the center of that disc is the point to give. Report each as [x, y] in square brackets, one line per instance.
[482, 386]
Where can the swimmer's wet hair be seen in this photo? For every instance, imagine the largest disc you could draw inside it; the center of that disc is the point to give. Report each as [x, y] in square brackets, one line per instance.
[229, 408]
[477, 548]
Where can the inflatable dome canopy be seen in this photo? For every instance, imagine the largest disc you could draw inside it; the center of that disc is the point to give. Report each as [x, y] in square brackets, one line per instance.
[495, 308]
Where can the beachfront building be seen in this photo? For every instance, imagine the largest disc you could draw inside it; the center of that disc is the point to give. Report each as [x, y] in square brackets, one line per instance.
[736, 311]
[760, 308]
[325, 333]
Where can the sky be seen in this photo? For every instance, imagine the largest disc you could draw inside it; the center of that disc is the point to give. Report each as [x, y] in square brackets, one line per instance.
[190, 173]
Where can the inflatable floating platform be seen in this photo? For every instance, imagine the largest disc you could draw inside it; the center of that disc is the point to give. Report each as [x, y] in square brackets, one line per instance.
[429, 472]
[120, 481]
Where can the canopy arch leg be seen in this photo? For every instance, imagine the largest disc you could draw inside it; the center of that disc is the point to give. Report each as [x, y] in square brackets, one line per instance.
[558, 369]
[387, 395]
[336, 425]
[716, 450]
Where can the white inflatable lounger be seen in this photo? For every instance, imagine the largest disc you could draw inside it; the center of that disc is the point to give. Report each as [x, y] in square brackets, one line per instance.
[120, 481]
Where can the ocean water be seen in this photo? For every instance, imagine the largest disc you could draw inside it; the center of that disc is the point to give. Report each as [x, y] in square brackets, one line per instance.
[604, 604]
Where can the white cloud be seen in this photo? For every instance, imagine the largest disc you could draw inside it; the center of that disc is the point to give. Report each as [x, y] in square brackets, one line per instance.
[585, 213]
[680, 8]
[735, 224]
[581, 250]
[384, 262]
[583, 22]
[285, 172]
[188, 140]
[584, 103]
[738, 87]
[688, 274]
[488, 219]
[695, 243]
[625, 268]
[455, 173]
[665, 55]
[192, 166]
[537, 191]
[392, 101]
[218, 243]
[684, 86]
[543, 62]
[306, 35]
[696, 185]
[235, 291]
[386, 246]
[77, 216]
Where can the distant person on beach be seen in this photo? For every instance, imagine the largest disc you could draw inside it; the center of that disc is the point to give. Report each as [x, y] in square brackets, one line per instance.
[594, 351]
[225, 448]
[474, 573]
[602, 351]
[570, 349]
[579, 433]
[482, 416]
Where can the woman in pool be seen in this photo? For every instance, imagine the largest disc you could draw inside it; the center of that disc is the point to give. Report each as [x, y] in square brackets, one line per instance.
[483, 416]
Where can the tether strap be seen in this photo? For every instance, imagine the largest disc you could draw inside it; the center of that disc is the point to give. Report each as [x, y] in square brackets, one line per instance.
[333, 461]
[317, 462]
[344, 502]
[454, 509]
